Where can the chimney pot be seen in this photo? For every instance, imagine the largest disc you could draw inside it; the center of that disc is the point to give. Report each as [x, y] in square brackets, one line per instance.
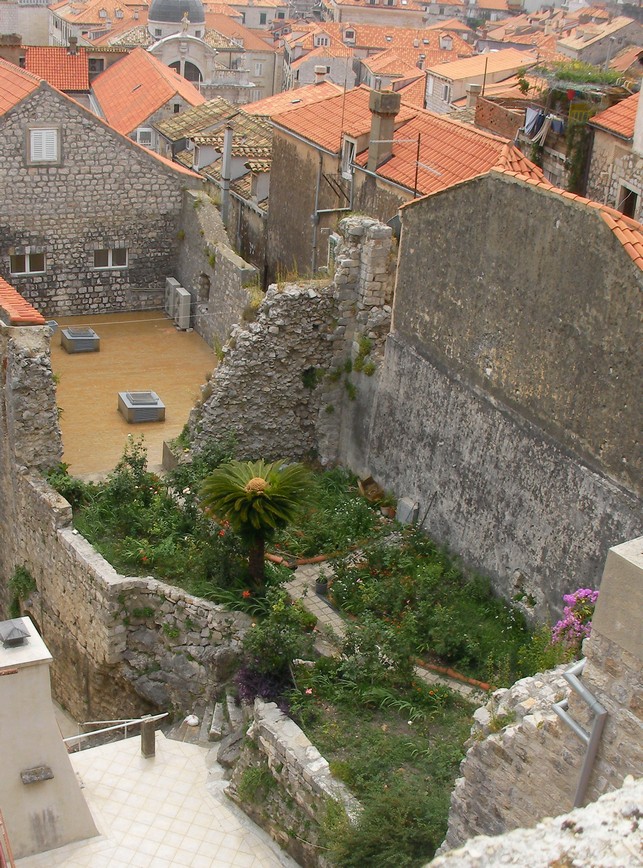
[73, 45]
[320, 74]
[384, 106]
[473, 92]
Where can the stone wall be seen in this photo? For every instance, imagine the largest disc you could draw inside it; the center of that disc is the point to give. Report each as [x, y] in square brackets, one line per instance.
[310, 360]
[605, 834]
[211, 271]
[498, 119]
[614, 165]
[523, 762]
[305, 785]
[106, 193]
[120, 645]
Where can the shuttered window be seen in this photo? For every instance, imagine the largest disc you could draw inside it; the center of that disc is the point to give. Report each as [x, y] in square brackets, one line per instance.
[44, 146]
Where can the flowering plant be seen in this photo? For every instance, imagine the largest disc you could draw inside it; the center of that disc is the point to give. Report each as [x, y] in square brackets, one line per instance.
[576, 623]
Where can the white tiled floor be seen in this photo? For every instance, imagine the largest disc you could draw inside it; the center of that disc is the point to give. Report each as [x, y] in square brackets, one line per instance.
[157, 813]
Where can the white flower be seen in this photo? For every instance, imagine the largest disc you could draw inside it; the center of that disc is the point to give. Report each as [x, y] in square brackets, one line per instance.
[186, 491]
[410, 722]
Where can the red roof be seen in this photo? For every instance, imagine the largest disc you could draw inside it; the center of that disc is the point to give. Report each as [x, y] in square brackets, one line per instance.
[15, 85]
[17, 310]
[56, 65]
[324, 123]
[619, 118]
[288, 100]
[133, 88]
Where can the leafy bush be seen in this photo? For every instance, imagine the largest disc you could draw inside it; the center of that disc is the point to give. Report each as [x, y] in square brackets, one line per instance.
[272, 644]
[21, 584]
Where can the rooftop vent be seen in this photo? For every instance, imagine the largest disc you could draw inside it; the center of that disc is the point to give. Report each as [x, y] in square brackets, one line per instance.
[79, 339]
[13, 634]
[141, 407]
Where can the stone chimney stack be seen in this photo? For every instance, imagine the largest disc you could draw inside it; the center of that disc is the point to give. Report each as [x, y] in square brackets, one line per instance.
[320, 74]
[384, 106]
[473, 92]
[73, 45]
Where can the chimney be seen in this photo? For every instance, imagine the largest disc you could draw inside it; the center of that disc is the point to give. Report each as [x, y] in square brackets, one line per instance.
[73, 45]
[226, 172]
[473, 92]
[384, 106]
[320, 74]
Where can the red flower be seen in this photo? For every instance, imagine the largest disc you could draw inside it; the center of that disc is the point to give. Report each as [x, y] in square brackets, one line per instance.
[221, 533]
[144, 558]
[246, 594]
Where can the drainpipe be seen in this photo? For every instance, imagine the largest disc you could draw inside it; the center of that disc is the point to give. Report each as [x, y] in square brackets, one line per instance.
[226, 163]
[315, 215]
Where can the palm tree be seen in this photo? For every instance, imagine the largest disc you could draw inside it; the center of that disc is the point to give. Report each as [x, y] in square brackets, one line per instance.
[256, 498]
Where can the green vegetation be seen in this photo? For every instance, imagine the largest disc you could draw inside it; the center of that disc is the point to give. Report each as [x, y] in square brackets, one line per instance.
[256, 499]
[21, 584]
[578, 72]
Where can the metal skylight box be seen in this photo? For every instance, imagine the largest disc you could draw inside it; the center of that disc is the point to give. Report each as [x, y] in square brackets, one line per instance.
[79, 339]
[141, 407]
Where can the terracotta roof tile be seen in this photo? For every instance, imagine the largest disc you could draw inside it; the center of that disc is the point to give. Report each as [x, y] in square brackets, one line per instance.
[64, 71]
[508, 59]
[16, 310]
[619, 118]
[291, 99]
[413, 94]
[323, 123]
[135, 87]
[15, 85]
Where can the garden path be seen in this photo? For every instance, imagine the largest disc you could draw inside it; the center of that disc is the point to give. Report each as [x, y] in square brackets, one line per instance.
[302, 587]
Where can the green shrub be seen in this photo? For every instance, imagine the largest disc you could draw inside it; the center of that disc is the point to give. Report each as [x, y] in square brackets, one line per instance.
[272, 644]
[255, 783]
[21, 584]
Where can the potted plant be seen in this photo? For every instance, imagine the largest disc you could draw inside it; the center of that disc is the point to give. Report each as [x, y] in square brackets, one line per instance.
[321, 584]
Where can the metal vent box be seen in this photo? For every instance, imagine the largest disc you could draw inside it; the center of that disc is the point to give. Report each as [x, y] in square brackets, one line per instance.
[79, 340]
[141, 407]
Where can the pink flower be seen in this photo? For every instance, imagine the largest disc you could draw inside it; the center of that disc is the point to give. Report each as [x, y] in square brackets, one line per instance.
[309, 690]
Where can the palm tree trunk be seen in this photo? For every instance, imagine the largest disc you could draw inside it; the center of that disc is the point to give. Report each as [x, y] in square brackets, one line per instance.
[256, 557]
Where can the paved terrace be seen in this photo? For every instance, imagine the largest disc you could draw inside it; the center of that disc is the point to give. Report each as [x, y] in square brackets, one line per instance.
[138, 351]
[162, 812]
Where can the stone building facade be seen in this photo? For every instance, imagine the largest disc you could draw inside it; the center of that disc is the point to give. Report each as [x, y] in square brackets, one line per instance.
[96, 228]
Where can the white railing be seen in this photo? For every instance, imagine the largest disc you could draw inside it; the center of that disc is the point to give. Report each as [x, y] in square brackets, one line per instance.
[122, 723]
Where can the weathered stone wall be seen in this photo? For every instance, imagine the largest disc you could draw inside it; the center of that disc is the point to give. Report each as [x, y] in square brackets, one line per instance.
[377, 199]
[310, 360]
[120, 645]
[265, 389]
[106, 193]
[523, 762]
[251, 230]
[613, 165]
[605, 834]
[498, 119]
[305, 784]
[212, 273]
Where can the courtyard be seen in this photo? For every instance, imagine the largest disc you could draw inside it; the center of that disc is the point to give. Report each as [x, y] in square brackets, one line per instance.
[138, 351]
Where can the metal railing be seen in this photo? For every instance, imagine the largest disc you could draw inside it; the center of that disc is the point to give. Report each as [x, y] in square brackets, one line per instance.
[123, 723]
[590, 739]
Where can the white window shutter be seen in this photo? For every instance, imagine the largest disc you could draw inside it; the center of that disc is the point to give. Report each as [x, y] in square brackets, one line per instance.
[44, 146]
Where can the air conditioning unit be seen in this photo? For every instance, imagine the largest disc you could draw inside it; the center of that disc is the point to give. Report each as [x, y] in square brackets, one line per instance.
[171, 284]
[79, 340]
[141, 407]
[182, 305]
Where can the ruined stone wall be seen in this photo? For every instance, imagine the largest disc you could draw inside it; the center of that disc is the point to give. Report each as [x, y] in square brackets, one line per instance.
[298, 380]
[215, 276]
[120, 645]
[498, 119]
[105, 193]
[523, 761]
[305, 784]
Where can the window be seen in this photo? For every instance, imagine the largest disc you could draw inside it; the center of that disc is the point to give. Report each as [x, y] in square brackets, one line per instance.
[348, 155]
[176, 108]
[96, 65]
[446, 92]
[118, 13]
[262, 17]
[321, 40]
[111, 258]
[281, 15]
[27, 263]
[158, 31]
[627, 201]
[429, 86]
[43, 145]
[102, 13]
[144, 137]
[258, 68]
[197, 33]
[349, 35]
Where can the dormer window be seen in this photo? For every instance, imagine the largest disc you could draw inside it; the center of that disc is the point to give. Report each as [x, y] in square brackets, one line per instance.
[321, 40]
[118, 13]
[349, 35]
[102, 13]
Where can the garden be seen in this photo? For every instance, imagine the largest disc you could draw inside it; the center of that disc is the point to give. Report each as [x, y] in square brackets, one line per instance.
[395, 740]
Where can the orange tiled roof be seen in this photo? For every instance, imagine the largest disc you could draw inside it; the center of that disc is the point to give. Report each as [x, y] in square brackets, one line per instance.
[627, 58]
[135, 87]
[413, 94]
[15, 309]
[450, 24]
[235, 30]
[587, 34]
[450, 152]
[620, 118]
[88, 12]
[509, 59]
[389, 62]
[333, 50]
[324, 123]
[56, 65]
[15, 85]
[292, 99]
